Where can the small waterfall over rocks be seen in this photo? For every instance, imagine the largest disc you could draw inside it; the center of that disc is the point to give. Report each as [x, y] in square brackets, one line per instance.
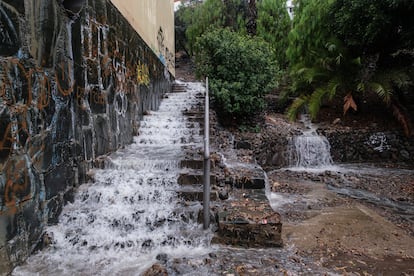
[310, 150]
[130, 215]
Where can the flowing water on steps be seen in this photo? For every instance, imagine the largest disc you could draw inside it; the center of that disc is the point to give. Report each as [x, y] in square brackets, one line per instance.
[119, 224]
[310, 150]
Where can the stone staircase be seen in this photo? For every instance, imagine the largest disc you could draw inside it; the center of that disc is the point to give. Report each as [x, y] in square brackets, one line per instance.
[243, 216]
[191, 176]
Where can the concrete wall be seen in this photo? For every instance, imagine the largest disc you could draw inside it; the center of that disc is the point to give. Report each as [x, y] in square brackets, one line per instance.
[75, 79]
[158, 32]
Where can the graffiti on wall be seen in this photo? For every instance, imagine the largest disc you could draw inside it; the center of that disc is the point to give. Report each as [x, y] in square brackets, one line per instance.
[165, 55]
[61, 107]
[28, 92]
[143, 74]
[110, 63]
[17, 186]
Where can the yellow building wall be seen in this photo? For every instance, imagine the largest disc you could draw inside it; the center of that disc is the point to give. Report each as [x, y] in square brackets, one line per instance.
[154, 22]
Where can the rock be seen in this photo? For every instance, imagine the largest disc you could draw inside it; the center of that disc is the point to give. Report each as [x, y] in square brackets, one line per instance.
[336, 121]
[162, 257]
[147, 244]
[212, 255]
[223, 194]
[405, 155]
[250, 183]
[242, 145]
[249, 222]
[156, 270]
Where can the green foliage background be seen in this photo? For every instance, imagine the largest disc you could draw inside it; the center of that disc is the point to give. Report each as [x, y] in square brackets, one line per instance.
[332, 50]
[273, 25]
[240, 69]
[351, 50]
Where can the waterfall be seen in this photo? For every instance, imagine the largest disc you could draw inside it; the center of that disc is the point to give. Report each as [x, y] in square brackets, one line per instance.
[119, 224]
[310, 150]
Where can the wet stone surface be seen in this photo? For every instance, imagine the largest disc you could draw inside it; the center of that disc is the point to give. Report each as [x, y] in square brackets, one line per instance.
[64, 101]
[248, 221]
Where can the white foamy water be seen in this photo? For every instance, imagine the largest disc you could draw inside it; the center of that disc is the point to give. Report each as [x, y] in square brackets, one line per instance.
[311, 151]
[130, 214]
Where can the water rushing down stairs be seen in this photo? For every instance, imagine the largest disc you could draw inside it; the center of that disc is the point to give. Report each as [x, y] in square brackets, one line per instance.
[119, 224]
[311, 150]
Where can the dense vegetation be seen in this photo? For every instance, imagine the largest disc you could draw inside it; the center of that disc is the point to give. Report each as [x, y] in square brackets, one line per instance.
[352, 49]
[348, 50]
[273, 25]
[240, 70]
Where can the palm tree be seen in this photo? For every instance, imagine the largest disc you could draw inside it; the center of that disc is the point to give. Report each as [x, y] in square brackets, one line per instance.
[335, 73]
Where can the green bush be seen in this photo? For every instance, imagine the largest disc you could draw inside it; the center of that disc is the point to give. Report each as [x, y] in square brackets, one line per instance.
[241, 71]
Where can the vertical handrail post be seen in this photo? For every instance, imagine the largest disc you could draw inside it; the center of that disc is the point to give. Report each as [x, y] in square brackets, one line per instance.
[206, 193]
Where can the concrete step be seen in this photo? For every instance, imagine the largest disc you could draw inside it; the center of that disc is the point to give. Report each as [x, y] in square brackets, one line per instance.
[194, 178]
[195, 113]
[195, 193]
[194, 164]
[177, 88]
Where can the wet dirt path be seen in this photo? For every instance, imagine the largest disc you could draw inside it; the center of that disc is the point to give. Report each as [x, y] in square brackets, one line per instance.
[343, 234]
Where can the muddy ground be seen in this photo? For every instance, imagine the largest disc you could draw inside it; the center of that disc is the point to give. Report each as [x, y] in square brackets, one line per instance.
[357, 220]
[341, 233]
[328, 224]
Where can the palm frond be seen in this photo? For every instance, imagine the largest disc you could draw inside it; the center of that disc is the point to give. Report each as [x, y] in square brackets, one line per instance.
[382, 91]
[400, 79]
[330, 46]
[393, 77]
[361, 87]
[333, 86]
[315, 73]
[315, 100]
[339, 59]
[356, 61]
[296, 107]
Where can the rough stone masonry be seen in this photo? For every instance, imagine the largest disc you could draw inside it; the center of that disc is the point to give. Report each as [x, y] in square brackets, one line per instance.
[75, 79]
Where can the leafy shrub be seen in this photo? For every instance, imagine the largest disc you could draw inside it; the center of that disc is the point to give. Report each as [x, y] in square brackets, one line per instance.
[241, 71]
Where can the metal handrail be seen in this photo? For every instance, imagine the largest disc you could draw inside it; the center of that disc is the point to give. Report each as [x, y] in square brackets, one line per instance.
[206, 192]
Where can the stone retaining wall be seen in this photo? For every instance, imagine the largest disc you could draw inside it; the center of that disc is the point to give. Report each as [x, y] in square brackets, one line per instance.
[75, 80]
[348, 146]
[273, 151]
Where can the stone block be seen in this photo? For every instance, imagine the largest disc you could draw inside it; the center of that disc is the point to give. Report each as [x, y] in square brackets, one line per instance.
[193, 178]
[247, 234]
[102, 141]
[54, 208]
[87, 145]
[250, 183]
[246, 177]
[248, 222]
[5, 265]
[57, 180]
[195, 194]
[242, 145]
[40, 152]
